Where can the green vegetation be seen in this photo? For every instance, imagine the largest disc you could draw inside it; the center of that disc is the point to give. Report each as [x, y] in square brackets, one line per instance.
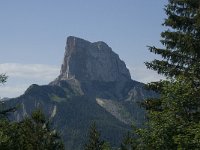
[174, 124]
[94, 141]
[174, 118]
[32, 133]
[57, 98]
[4, 111]
[3, 78]
[128, 142]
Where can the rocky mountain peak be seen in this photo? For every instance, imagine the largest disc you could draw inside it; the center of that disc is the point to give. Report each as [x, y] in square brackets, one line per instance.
[86, 61]
[94, 85]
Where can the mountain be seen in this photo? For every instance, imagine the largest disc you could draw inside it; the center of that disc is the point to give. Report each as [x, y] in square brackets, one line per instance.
[4, 99]
[94, 85]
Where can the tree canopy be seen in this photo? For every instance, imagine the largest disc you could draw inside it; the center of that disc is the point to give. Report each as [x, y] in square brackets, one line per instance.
[32, 133]
[94, 140]
[173, 119]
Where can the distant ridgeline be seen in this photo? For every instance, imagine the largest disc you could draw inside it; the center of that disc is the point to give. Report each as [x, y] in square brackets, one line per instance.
[94, 85]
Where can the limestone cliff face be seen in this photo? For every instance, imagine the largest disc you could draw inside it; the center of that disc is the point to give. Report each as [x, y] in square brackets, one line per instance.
[94, 85]
[86, 61]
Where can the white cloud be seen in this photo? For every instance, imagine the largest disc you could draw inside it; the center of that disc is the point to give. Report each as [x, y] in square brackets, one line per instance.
[142, 74]
[12, 91]
[21, 76]
[44, 72]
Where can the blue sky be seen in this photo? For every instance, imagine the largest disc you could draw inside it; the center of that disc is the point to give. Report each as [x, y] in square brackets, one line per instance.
[33, 35]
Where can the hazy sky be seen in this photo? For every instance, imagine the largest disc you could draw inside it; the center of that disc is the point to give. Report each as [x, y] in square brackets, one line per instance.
[33, 36]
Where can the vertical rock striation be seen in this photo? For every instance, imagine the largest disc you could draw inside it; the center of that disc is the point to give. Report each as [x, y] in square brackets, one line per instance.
[93, 69]
[94, 85]
[86, 61]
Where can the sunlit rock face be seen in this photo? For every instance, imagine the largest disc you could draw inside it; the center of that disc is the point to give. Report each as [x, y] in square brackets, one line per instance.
[86, 61]
[94, 69]
[94, 85]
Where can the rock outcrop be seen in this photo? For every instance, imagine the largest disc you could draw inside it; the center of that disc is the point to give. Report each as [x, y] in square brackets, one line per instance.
[86, 61]
[94, 85]
[94, 69]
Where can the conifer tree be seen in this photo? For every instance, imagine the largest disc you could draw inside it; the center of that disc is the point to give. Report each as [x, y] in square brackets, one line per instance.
[129, 142]
[3, 78]
[32, 133]
[4, 111]
[174, 118]
[181, 55]
[181, 52]
[94, 141]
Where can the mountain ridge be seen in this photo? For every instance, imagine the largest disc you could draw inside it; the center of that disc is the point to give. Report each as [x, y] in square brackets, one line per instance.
[94, 85]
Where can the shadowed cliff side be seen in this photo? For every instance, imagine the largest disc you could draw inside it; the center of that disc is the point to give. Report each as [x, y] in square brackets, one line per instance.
[94, 85]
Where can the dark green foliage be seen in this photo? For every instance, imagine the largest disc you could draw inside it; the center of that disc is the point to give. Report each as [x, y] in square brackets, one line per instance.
[3, 78]
[94, 141]
[73, 116]
[30, 134]
[177, 125]
[181, 40]
[129, 142]
[173, 119]
[106, 146]
[4, 111]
